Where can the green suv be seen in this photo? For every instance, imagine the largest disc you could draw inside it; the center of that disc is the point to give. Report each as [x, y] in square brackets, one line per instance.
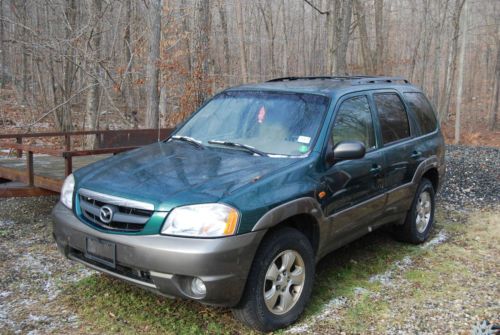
[237, 206]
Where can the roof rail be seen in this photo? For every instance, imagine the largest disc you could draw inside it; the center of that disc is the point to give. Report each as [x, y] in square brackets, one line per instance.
[355, 80]
[380, 80]
[315, 77]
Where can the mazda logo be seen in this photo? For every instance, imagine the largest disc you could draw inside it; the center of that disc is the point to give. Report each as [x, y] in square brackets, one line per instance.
[106, 214]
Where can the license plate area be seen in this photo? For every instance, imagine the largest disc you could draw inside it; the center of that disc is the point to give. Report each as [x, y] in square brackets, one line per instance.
[101, 251]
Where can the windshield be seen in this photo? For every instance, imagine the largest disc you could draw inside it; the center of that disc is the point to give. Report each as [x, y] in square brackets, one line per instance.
[273, 123]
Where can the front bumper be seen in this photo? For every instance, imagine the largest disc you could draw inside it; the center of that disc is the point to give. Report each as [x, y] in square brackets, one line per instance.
[166, 264]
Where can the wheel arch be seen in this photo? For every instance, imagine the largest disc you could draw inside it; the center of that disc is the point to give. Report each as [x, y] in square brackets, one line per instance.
[432, 174]
[303, 214]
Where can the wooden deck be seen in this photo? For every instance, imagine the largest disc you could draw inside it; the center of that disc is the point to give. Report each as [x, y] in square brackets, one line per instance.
[49, 172]
[41, 169]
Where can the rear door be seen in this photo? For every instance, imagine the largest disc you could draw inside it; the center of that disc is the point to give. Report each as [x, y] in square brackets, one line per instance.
[354, 187]
[401, 158]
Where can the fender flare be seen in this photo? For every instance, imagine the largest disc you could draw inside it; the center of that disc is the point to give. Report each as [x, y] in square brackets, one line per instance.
[304, 205]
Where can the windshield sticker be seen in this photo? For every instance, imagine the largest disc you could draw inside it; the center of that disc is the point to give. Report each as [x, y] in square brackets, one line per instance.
[303, 149]
[304, 139]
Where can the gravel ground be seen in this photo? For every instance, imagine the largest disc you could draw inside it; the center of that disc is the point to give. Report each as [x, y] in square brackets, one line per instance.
[33, 273]
[472, 177]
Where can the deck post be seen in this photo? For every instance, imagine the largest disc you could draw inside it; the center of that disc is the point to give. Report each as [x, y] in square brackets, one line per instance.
[19, 140]
[68, 163]
[67, 141]
[29, 166]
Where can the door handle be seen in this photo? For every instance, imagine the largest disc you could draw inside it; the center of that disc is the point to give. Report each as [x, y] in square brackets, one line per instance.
[416, 154]
[375, 170]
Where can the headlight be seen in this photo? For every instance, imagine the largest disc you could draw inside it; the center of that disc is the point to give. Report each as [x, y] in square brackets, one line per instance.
[67, 191]
[204, 220]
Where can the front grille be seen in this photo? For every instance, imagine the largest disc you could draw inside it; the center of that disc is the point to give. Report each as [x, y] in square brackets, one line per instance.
[122, 216]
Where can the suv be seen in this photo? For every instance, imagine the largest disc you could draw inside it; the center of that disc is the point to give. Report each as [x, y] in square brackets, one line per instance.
[239, 204]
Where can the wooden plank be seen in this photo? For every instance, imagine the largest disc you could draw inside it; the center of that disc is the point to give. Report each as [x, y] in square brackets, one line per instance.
[34, 148]
[38, 181]
[96, 151]
[26, 191]
[82, 132]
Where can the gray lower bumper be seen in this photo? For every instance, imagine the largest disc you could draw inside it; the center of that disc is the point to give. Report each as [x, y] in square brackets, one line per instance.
[166, 264]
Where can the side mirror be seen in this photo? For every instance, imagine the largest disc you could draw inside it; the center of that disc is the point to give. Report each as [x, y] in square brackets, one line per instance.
[346, 150]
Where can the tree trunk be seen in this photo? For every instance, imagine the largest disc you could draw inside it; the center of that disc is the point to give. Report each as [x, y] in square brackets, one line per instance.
[241, 36]
[437, 57]
[342, 33]
[452, 60]
[64, 113]
[460, 81]
[152, 71]
[285, 39]
[363, 35]
[379, 35]
[128, 62]
[94, 46]
[495, 106]
[201, 49]
[185, 27]
[222, 14]
[2, 50]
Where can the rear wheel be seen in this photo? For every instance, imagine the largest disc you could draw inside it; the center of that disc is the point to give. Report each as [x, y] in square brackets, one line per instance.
[420, 219]
[280, 282]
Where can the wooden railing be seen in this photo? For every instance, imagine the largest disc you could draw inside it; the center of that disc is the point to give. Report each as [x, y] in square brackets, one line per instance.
[107, 141]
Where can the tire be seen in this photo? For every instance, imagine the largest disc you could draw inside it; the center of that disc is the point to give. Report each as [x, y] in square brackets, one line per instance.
[252, 309]
[420, 219]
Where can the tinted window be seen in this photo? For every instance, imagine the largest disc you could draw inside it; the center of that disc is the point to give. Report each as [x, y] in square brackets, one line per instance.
[393, 118]
[354, 122]
[422, 110]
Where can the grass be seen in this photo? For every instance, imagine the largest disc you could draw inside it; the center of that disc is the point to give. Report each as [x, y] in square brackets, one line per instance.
[106, 305]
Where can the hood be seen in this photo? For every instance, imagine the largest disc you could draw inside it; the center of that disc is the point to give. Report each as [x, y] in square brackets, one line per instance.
[170, 174]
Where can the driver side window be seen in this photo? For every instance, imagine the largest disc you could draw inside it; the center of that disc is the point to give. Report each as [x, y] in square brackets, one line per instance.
[354, 123]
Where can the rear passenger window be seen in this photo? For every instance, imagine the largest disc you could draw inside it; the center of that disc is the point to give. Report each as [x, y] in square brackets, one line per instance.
[393, 118]
[423, 112]
[354, 122]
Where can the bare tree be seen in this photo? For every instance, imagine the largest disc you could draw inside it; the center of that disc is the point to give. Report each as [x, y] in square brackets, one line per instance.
[152, 71]
[2, 49]
[452, 60]
[363, 35]
[63, 113]
[460, 81]
[225, 36]
[342, 27]
[379, 35]
[241, 36]
[495, 106]
[94, 46]
[201, 48]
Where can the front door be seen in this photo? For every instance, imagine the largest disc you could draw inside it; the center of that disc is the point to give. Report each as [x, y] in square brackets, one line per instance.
[354, 188]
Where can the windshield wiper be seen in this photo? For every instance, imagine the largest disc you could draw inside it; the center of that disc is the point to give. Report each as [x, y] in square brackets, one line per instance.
[239, 145]
[189, 140]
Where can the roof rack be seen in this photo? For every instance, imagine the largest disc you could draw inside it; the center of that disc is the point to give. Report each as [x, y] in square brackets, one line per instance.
[379, 80]
[355, 80]
[315, 77]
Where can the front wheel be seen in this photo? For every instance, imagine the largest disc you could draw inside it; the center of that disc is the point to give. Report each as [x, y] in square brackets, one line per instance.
[420, 219]
[280, 281]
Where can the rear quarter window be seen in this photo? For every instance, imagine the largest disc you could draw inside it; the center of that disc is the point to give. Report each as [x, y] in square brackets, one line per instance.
[422, 109]
[393, 118]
